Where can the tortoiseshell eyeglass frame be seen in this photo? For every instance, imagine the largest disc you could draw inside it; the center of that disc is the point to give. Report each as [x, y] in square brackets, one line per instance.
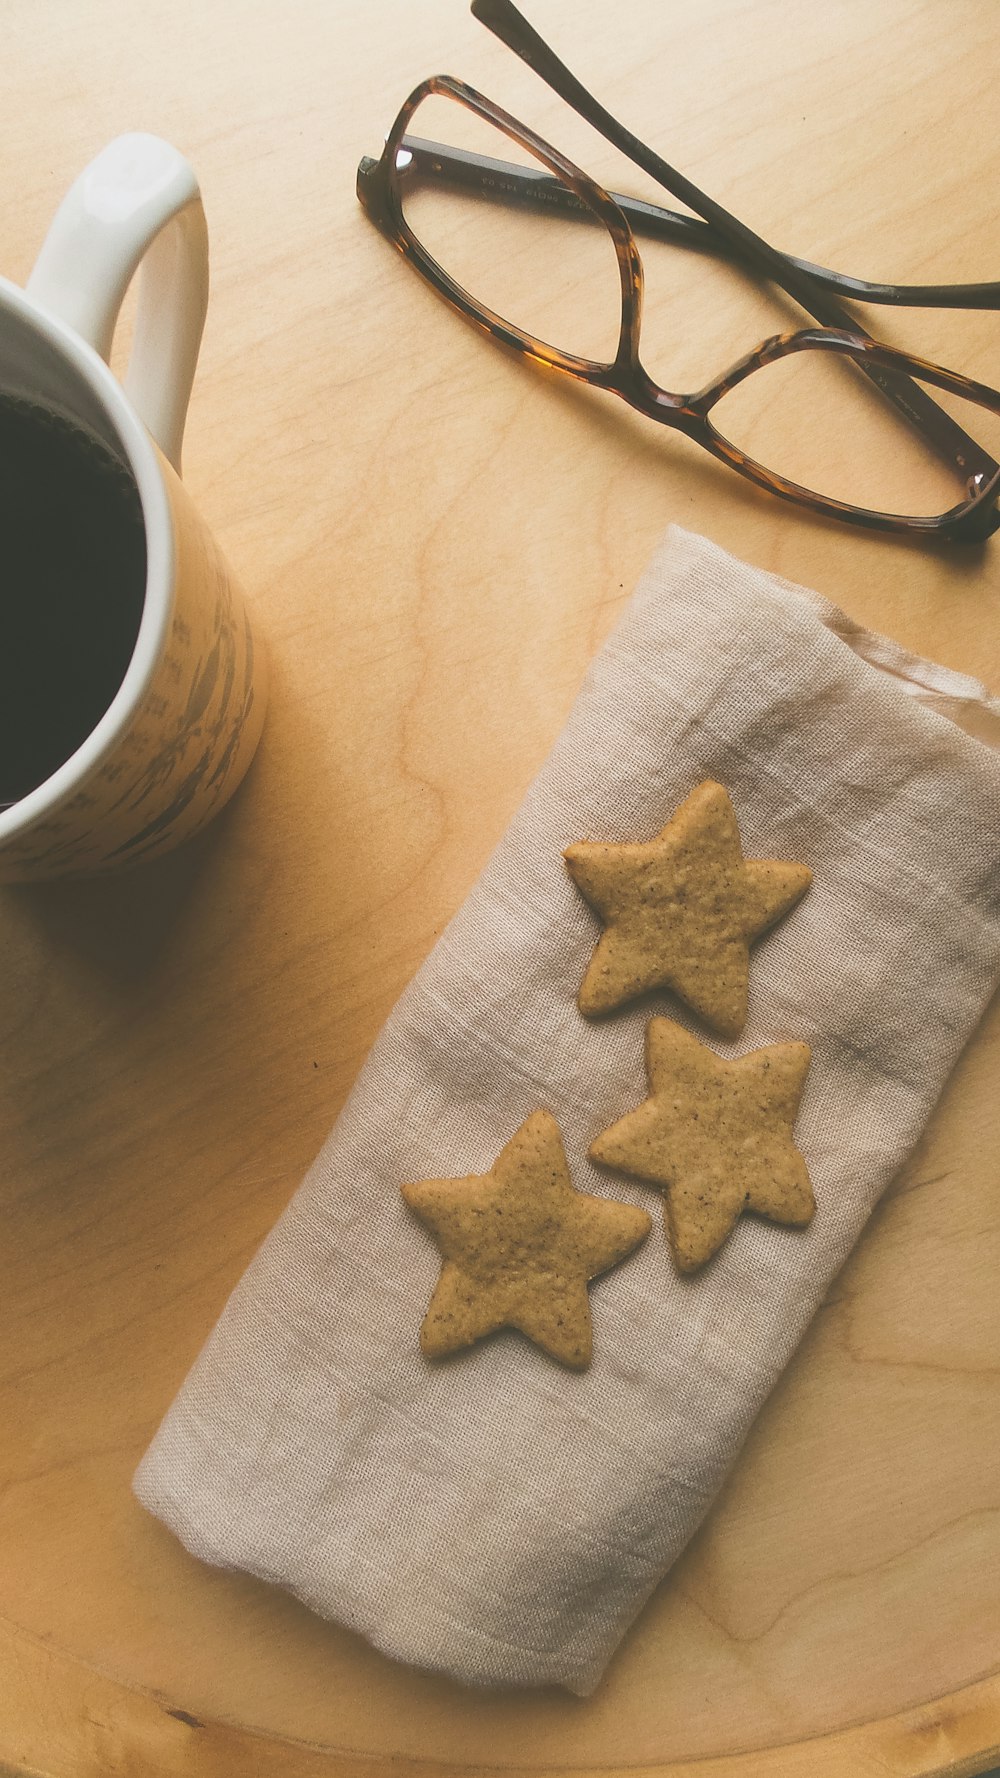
[379, 189]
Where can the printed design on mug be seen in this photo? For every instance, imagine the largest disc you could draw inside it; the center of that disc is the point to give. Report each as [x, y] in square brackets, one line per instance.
[192, 735]
[205, 737]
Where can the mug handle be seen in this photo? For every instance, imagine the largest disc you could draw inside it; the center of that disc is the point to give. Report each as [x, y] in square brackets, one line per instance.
[137, 202]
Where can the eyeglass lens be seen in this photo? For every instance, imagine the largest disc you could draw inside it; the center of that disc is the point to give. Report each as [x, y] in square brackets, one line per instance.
[550, 270]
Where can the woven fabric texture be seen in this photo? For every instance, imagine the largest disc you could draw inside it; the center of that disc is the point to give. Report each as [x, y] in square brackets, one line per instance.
[496, 1517]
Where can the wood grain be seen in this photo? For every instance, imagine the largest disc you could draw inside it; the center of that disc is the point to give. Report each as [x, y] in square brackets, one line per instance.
[435, 539]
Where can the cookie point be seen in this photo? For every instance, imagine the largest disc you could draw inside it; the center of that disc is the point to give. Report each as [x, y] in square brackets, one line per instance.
[578, 1360]
[540, 1122]
[710, 791]
[800, 1056]
[688, 1263]
[590, 1004]
[802, 879]
[643, 1223]
[431, 1344]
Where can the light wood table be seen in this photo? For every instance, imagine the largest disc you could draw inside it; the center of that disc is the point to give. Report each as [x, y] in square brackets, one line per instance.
[435, 538]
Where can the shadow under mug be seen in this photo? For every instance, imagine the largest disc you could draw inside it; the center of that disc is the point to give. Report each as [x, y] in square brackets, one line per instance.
[182, 726]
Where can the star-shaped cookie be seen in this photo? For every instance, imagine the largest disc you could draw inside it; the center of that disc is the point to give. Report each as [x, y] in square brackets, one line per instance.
[716, 1136]
[682, 911]
[519, 1245]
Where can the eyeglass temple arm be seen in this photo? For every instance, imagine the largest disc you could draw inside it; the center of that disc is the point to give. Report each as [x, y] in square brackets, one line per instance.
[512, 28]
[505, 181]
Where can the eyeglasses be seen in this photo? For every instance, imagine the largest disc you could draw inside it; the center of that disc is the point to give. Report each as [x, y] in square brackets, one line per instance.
[943, 485]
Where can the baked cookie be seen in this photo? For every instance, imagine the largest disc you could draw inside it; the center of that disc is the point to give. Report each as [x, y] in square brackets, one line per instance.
[682, 911]
[519, 1244]
[716, 1137]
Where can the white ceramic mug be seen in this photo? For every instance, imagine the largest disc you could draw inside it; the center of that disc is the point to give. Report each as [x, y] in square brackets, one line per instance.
[182, 728]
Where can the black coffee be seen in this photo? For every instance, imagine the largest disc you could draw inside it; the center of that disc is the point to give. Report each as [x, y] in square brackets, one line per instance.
[72, 580]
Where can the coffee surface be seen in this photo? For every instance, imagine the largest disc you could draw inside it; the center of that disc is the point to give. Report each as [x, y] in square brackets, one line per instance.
[72, 583]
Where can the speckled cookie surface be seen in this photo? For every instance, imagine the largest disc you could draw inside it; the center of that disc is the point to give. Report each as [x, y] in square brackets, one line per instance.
[681, 912]
[716, 1137]
[519, 1244]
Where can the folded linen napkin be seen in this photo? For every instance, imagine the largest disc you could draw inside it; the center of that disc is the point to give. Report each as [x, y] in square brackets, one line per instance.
[496, 1517]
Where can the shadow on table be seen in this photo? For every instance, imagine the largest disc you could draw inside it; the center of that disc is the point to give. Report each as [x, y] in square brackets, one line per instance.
[118, 923]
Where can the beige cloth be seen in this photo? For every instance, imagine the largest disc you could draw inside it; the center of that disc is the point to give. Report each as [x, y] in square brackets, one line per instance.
[497, 1517]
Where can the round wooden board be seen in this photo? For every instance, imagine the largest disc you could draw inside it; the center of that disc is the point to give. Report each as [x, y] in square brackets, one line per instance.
[435, 539]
